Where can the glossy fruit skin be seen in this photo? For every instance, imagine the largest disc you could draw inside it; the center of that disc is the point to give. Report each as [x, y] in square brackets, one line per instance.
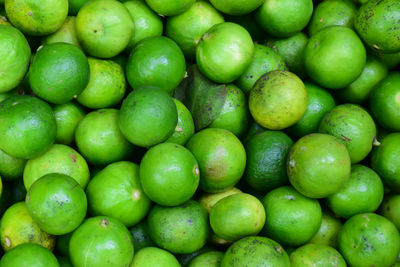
[15, 54]
[170, 7]
[369, 239]
[116, 191]
[334, 57]
[241, 7]
[148, 116]
[211, 259]
[140, 236]
[11, 168]
[222, 162]
[316, 256]
[156, 61]
[257, 251]
[101, 241]
[67, 116]
[34, 122]
[29, 254]
[180, 229]
[56, 203]
[328, 231]
[224, 52]
[185, 126]
[208, 200]
[318, 165]
[153, 256]
[390, 209]
[66, 33]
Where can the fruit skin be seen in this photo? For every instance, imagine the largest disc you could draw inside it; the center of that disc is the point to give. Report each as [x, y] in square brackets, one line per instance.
[170, 7]
[101, 241]
[316, 256]
[255, 251]
[376, 23]
[29, 254]
[66, 33]
[67, 116]
[334, 57]
[318, 165]
[368, 239]
[15, 55]
[328, 231]
[210, 259]
[390, 209]
[180, 229]
[224, 52]
[11, 168]
[236, 8]
[185, 127]
[153, 256]
[27, 126]
[278, 100]
[140, 236]
[148, 116]
[208, 200]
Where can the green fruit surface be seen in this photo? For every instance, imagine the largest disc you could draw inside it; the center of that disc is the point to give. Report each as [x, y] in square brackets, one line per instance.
[29, 254]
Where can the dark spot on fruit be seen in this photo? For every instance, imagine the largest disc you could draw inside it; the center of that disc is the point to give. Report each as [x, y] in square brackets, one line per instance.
[73, 157]
[190, 221]
[95, 31]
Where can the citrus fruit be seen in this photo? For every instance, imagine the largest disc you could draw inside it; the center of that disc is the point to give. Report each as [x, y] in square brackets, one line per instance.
[15, 55]
[278, 100]
[390, 209]
[170, 7]
[29, 254]
[153, 256]
[318, 165]
[255, 251]
[224, 52]
[148, 116]
[65, 34]
[285, 17]
[250, 24]
[210, 259]
[106, 86]
[328, 231]
[237, 7]
[368, 239]
[59, 72]
[179, 229]
[208, 200]
[334, 57]
[67, 116]
[101, 241]
[184, 259]
[116, 191]
[11, 168]
[390, 60]
[104, 28]
[34, 19]
[353, 126]
[140, 236]
[156, 61]
[312, 255]
[27, 126]
[222, 161]
[187, 28]
[99, 138]
[266, 160]
[185, 127]
[75, 5]
[58, 159]
[18, 227]
[291, 218]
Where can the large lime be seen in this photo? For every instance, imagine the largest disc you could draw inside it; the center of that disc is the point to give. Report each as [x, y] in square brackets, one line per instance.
[29, 254]
[237, 7]
[170, 7]
[312, 255]
[153, 256]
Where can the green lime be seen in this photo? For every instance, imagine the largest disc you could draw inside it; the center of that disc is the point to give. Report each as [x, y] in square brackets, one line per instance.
[185, 259]
[291, 218]
[187, 28]
[169, 174]
[318, 165]
[238, 7]
[58, 159]
[140, 236]
[156, 61]
[65, 34]
[221, 157]
[37, 19]
[170, 7]
[224, 52]
[11, 168]
[390, 60]
[328, 231]
[148, 116]
[27, 126]
[101, 241]
[208, 200]
[185, 127]
[209, 259]
[67, 116]
[99, 138]
[334, 57]
[29, 254]
[75, 5]
[254, 129]
[59, 72]
[266, 160]
[56, 203]
[313, 255]
[104, 28]
[106, 87]
[179, 229]
[153, 256]
[285, 17]
[391, 208]
[368, 239]
[264, 60]
[278, 100]
[18, 227]
[255, 251]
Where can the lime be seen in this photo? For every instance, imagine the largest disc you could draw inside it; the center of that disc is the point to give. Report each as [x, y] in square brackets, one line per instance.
[106, 87]
[116, 191]
[312, 255]
[210, 259]
[59, 72]
[334, 57]
[27, 126]
[185, 127]
[101, 241]
[390, 209]
[208, 200]
[222, 161]
[34, 19]
[65, 34]
[184, 259]
[368, 239]
[104, 28]
[250, 24]
[224, 52]
[179, 229]
[140, 236]
[67, 116]
[285, 17]
[29, 254]
[99, 138]
[170, 7]
[75, 5]
[187, 28]
[278, 100]
[148, 116]
[156, 61]
[11, 168]
[153, 256]
[390, 60]
[328, 231]
[318, 165]
[237, 7]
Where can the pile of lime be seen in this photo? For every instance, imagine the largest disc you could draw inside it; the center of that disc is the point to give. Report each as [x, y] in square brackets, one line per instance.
[232, 133]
